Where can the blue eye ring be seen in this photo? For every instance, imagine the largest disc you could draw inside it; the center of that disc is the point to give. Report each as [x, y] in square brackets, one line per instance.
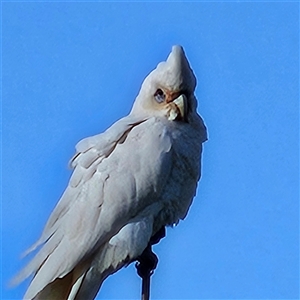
[159, 96]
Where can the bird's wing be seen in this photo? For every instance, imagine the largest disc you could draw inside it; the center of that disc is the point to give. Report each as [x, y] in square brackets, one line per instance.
[90, 152]
[109, 186]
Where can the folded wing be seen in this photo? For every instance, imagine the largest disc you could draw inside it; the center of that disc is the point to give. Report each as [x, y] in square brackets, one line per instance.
[108, 188]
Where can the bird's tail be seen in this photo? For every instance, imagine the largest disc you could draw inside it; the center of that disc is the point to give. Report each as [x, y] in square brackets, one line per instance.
[85, 286]
[65, 288]
[58, 289]
[85, 280]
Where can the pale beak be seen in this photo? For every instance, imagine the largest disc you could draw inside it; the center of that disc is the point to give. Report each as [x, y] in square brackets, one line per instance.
[181, 104]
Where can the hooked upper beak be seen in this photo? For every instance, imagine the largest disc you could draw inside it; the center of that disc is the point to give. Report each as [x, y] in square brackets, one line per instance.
[179, 102]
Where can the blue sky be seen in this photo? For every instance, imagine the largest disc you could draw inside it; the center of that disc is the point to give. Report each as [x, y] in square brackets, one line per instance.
[72, 69]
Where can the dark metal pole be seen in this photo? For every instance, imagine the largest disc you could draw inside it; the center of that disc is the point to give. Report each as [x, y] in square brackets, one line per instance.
[147, 262]
[146, 288]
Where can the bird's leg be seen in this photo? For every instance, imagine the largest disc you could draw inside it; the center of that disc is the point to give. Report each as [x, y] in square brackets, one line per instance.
[155, 239]
[147, 262]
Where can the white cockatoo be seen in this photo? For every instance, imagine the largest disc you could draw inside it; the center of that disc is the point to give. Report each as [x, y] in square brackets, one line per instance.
[138, 176]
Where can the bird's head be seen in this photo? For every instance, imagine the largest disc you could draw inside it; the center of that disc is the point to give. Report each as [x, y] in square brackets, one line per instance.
[168, 91]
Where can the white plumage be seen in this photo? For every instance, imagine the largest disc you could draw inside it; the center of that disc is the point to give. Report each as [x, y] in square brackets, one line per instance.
[139, 175]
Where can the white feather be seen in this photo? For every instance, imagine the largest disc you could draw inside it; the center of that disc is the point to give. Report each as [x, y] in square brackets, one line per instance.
[138, 176]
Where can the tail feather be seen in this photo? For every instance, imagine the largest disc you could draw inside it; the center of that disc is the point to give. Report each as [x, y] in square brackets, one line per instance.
[58, 289]
[75, 287]
[85, 280]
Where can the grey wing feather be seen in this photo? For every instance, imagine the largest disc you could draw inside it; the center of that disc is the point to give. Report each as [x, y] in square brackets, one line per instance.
[94, 149]
[88, 151]
[83, 217]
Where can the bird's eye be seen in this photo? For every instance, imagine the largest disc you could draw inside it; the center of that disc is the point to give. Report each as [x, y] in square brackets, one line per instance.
[159, 96]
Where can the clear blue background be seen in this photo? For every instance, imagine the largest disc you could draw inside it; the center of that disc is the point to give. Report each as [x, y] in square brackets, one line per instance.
[72, 69]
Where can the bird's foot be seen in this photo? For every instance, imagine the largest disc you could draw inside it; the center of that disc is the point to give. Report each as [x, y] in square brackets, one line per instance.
[146, 263]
